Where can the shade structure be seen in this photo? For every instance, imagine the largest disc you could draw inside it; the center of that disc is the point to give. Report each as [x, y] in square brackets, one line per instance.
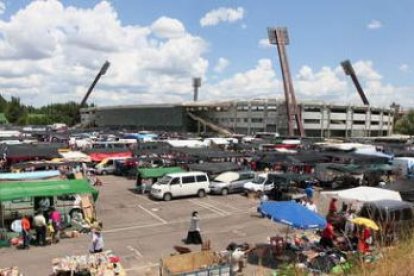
[364, 194]
[29, 175]
[292, 214]
[158, 172]
[15, 190]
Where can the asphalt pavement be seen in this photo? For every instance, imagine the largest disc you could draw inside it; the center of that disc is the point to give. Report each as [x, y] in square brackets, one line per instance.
[141, 230]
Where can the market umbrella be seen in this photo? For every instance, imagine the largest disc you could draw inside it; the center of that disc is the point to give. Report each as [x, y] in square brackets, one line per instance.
[292, 214]
[366, 222]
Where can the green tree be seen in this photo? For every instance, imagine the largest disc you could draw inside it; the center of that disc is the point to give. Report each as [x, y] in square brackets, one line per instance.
[15, 112]
[405, 125]
[3, 104]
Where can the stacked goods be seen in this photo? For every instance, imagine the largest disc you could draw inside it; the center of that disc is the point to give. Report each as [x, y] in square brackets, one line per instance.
[105, 263]
[12, 271]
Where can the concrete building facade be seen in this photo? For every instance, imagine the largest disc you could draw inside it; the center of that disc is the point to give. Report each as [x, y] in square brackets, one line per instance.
[248, 117]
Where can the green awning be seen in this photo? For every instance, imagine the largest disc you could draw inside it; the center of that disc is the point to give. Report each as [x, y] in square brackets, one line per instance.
[158, 172]
[16, 190]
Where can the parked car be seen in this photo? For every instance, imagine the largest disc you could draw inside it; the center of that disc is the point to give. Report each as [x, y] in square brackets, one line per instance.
[261, 183]
[107, 166]
[231, 182]
[181, 184]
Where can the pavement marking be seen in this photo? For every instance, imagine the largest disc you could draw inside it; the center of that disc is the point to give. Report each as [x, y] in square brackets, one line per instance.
[152, 214]
[224, 204]
[132, 227]
[210, 207]
[133, 249]
[216, 207]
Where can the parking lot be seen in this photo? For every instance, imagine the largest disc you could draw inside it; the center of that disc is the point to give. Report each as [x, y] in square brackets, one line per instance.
[141, 230]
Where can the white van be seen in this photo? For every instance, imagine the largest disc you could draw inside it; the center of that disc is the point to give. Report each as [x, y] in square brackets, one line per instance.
[181, 184]
[261, 184]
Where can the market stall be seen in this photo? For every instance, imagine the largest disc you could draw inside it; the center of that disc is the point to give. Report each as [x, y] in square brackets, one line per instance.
[105, 263]
[195, 263]
[10, 271]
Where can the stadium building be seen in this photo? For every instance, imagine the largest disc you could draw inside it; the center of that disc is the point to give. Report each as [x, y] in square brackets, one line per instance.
[245, 117]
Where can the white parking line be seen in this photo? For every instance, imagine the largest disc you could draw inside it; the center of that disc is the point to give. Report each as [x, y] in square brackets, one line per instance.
[210, 207]
[152, 214]
[223, 204]
[132, 227]
[137, 253]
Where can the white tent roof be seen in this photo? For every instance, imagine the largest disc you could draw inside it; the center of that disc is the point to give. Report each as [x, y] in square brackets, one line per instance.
[75, 156]
[186, 144]
[364, 194]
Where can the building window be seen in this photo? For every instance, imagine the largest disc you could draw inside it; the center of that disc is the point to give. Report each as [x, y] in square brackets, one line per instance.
[312, 109]
[246, 120]
[257, 120]
[359, 123]
[312, 121]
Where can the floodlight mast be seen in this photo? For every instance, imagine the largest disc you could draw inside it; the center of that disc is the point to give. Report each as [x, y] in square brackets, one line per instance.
[102, 72]
[196, 86]
[279, 36]
[349, 70]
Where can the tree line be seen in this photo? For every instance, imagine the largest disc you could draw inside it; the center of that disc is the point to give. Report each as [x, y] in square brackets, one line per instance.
[21, 114]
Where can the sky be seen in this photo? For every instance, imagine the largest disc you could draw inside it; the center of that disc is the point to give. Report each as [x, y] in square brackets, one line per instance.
[50, 51]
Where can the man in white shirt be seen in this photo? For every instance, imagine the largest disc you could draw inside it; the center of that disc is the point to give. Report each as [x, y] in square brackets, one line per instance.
[39, 223]
[311, 206]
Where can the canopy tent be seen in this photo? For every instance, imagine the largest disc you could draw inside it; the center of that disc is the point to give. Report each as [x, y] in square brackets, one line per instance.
[405, 187]
[29, 175]
[186, 144]
[158, 172]
[25, 152]
[214, 168]
[364, 194]
[75, 156]
[99, 156]
[292, 214]
[15, 190]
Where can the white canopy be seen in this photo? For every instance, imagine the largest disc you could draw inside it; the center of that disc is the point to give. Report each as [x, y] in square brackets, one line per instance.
[186, 144]
[75, 156]
[364, 194]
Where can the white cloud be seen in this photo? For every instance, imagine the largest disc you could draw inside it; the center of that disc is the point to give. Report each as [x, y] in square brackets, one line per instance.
[222, 14]
[264, 43]
[2, 7]
[221, 65]
[258, 82]
[166, 27]
[54, 58]
[404, 68]
[374, 24]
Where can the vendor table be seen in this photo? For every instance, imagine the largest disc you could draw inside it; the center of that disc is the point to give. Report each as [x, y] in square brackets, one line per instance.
[99, 264]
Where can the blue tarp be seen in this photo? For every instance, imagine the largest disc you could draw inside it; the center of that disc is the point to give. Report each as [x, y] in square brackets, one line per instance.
[29, 175]
[292, 214]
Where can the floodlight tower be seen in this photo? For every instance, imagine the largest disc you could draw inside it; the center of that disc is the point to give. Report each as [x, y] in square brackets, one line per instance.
[196, 85]
[279, 36]
[102, 72]
[349, 70]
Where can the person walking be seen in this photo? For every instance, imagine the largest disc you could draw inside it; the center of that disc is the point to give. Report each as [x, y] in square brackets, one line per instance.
[26, 232]
[97, 242]
[194, 236]
[39, 223]
[56, 220]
